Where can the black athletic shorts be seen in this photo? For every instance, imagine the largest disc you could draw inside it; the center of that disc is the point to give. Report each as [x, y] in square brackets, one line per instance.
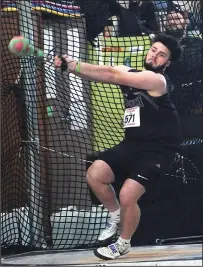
[142, 163]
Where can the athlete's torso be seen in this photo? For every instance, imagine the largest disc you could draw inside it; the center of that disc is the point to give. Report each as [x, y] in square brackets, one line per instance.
[151, 119]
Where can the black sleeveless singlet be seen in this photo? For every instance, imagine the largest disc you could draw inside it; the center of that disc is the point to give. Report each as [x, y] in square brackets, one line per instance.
[159, 121]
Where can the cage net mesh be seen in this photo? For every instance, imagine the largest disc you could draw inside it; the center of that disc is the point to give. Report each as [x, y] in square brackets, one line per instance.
[54, 124]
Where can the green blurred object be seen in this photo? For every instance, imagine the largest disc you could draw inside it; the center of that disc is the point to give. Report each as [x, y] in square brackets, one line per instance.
[50, 111]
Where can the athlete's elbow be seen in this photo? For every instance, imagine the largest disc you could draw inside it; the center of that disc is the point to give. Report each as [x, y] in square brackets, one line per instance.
[111, 76]
[106, 77]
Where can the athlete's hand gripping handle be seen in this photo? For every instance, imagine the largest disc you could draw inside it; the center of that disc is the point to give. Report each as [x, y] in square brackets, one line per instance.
[65, 62]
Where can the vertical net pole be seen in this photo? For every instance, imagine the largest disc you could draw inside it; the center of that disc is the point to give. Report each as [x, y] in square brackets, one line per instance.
[28, 75]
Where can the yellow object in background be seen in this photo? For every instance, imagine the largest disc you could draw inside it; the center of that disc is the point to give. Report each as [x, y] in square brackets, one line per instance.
[107, 107]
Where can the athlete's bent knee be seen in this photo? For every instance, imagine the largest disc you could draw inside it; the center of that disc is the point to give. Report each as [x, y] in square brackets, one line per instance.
[126, 200]
[130, 193]
[99, 171]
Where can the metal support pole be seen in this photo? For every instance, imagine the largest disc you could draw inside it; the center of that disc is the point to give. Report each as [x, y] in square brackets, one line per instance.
[28, 74]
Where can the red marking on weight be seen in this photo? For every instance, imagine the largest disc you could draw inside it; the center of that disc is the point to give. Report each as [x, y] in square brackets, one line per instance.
[19, 46]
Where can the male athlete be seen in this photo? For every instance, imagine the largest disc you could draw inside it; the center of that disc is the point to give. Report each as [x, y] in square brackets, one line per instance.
[152, 136]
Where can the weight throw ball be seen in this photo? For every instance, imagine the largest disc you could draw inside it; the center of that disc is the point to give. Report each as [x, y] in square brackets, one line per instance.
[19, 46]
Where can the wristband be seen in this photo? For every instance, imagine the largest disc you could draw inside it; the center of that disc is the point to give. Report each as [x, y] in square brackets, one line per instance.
[78, 67]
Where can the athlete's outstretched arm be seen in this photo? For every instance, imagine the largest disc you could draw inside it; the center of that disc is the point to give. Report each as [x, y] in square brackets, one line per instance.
[146, 80]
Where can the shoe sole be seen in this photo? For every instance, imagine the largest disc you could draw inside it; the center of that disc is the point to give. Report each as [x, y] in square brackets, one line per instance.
[101, 256]
[96, 253]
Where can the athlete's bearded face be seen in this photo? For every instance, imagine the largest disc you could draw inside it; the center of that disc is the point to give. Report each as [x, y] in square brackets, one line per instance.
[157, 58]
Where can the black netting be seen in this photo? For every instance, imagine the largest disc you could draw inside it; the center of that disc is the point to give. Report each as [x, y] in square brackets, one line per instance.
[54, 124]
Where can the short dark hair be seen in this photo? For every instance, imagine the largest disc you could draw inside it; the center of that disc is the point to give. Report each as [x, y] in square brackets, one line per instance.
[171, 43]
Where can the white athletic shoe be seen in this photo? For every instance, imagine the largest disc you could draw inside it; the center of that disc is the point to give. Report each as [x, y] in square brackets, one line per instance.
[112, 251]
[108, 233]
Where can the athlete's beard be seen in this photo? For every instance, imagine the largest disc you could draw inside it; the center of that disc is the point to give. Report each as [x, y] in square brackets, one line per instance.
[157, 69]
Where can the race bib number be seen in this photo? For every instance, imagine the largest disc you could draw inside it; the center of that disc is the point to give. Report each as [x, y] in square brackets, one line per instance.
[132, 117]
